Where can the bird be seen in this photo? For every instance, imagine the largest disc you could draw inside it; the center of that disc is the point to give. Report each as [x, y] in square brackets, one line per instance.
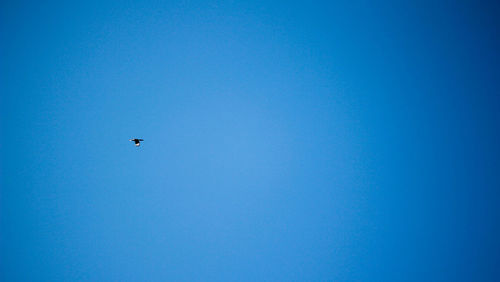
[137, 141]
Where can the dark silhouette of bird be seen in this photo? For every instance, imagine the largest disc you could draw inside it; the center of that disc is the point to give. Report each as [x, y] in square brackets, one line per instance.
[137, 141]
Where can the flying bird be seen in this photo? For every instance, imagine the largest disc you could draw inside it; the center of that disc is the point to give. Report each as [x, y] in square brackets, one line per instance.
[137, 141]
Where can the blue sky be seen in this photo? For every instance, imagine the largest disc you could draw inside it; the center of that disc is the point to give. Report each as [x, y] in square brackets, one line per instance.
[284, 141]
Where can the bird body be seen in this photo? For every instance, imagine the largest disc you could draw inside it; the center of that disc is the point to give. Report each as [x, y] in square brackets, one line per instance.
[137, 141]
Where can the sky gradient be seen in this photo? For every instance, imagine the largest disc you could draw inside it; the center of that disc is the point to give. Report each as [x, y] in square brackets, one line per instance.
[284, 141]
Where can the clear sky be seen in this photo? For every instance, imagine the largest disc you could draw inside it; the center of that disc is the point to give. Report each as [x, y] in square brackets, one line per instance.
[284, 141]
